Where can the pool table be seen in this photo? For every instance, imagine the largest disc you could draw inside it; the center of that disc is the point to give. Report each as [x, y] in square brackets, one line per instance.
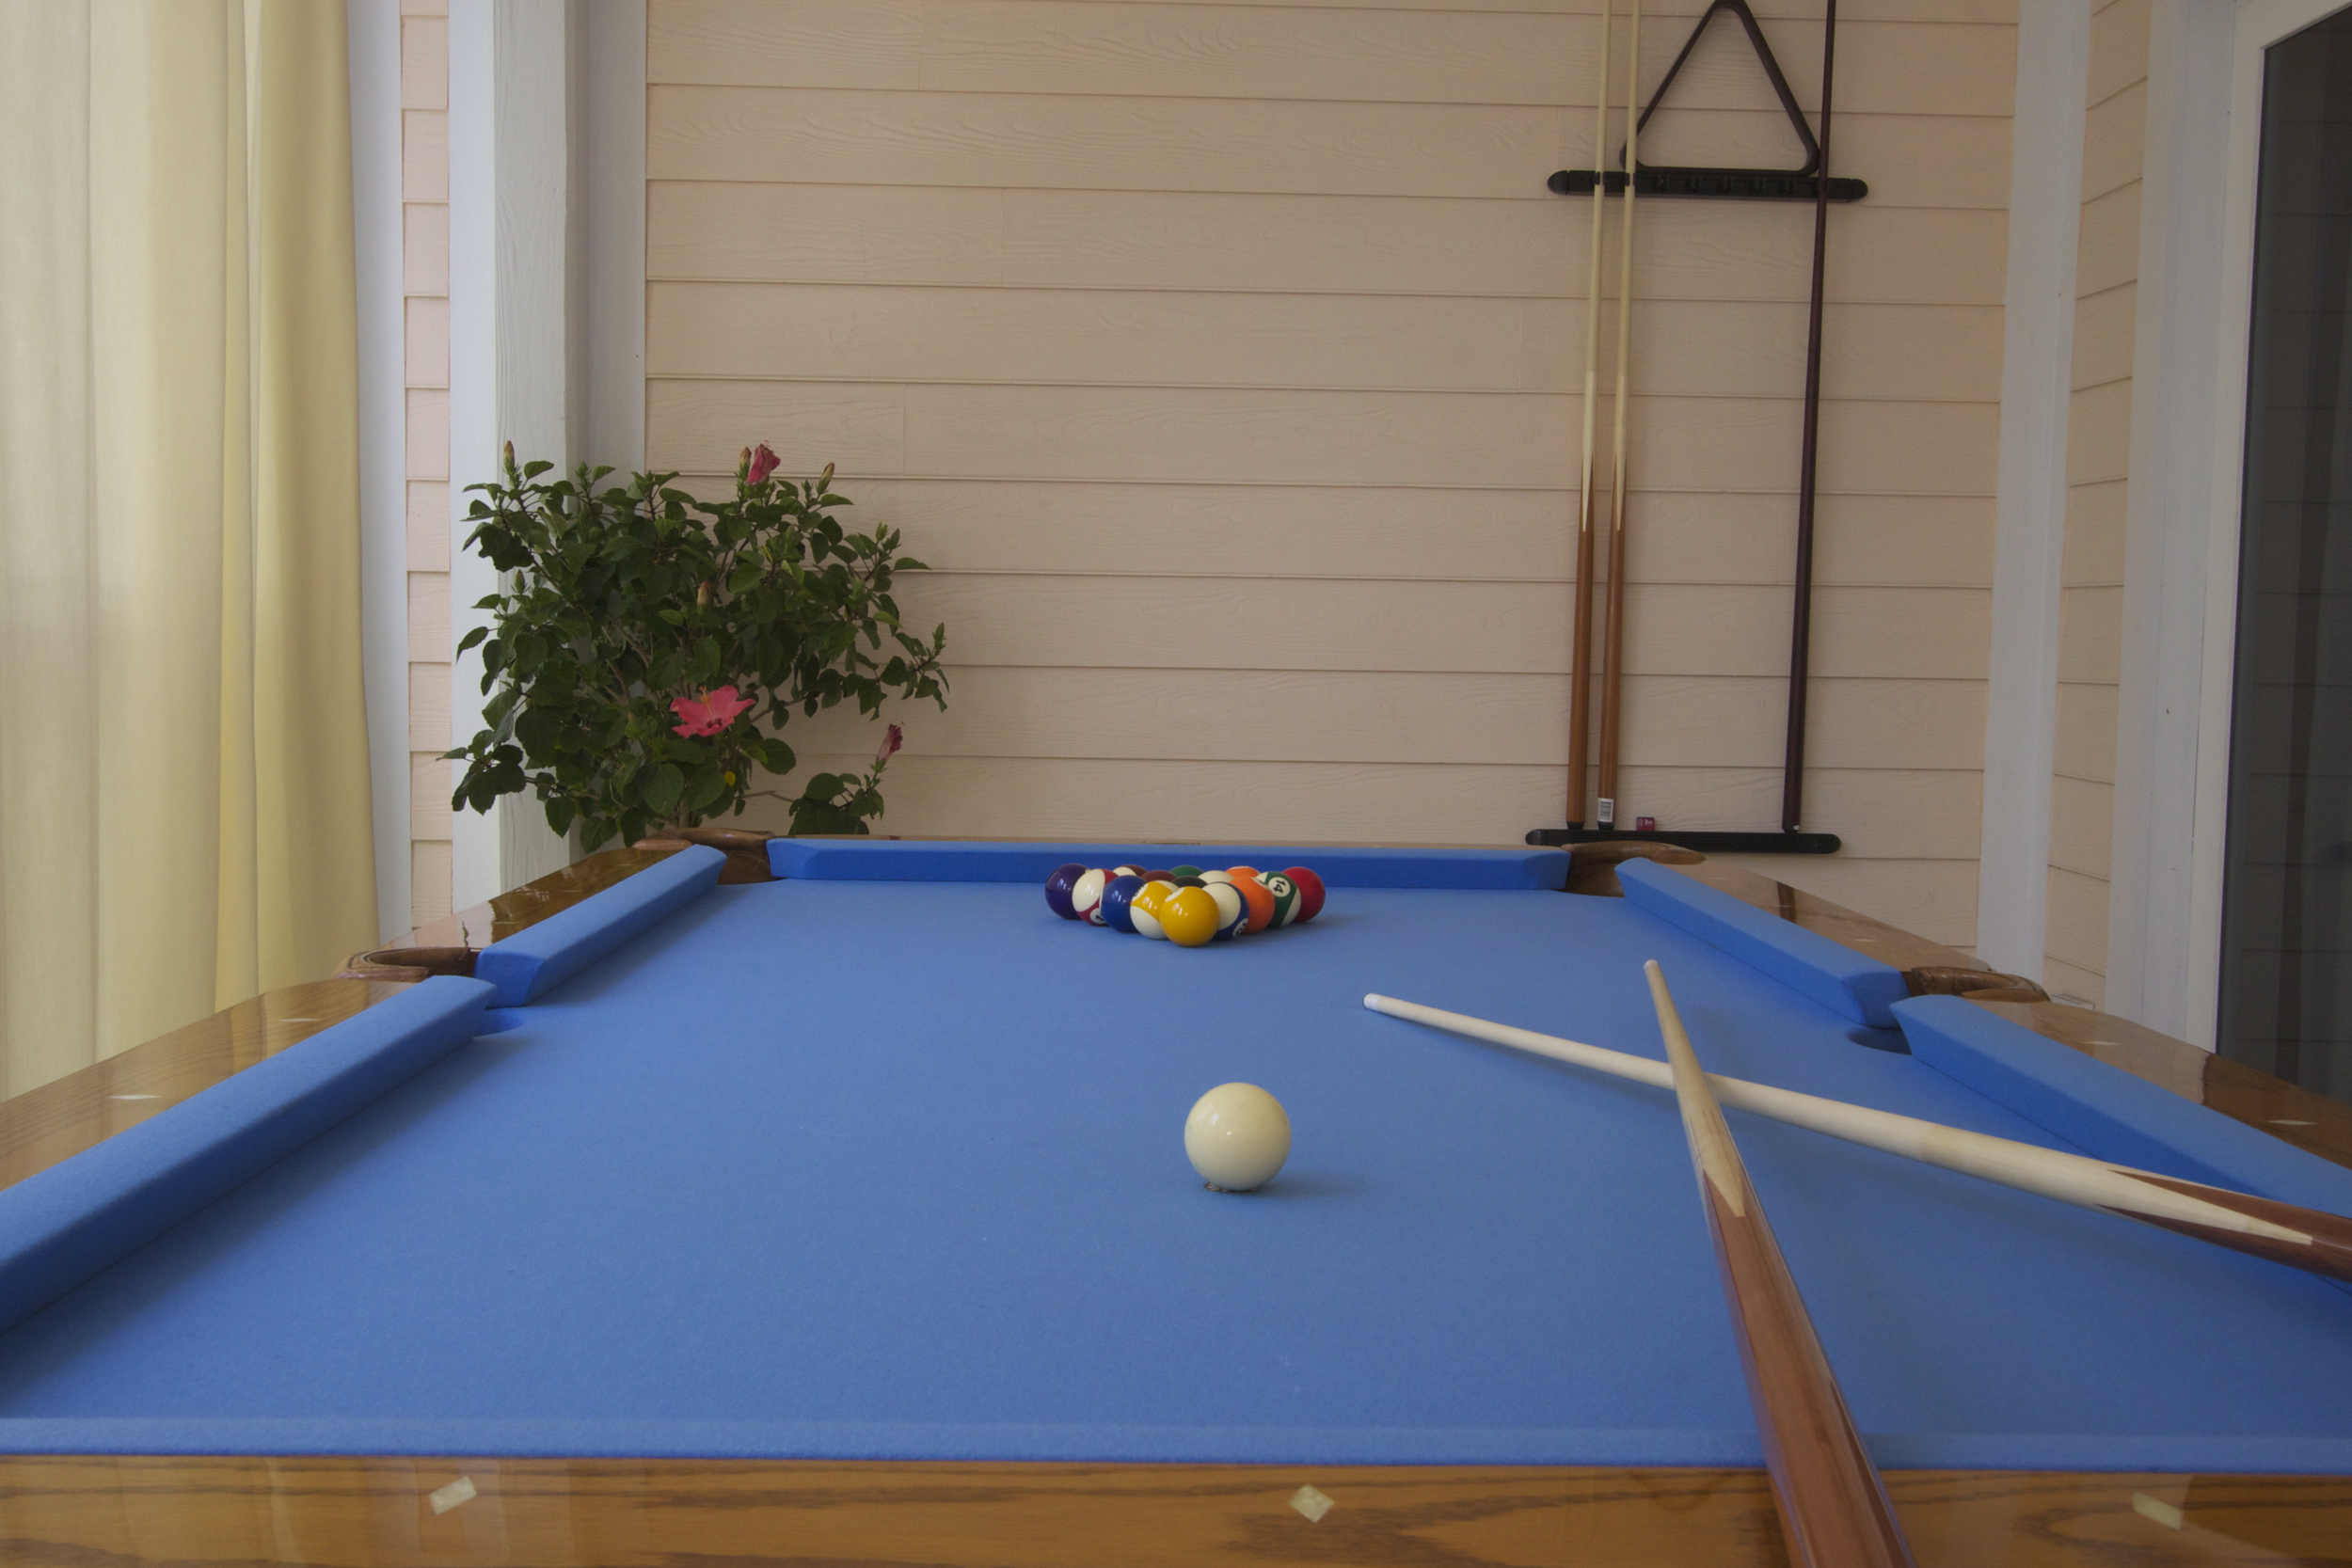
[842, 1215]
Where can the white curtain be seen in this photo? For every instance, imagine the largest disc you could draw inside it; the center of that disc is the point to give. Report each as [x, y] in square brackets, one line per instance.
[183, 779]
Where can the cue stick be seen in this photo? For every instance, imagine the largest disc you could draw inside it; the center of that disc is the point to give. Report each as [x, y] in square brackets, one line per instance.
[1833, 1511]
[2307, 1239]
[1612, 634]
[1808, 464]
[1581, 655]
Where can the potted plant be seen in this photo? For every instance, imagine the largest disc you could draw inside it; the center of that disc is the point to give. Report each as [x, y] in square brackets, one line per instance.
[646, 648]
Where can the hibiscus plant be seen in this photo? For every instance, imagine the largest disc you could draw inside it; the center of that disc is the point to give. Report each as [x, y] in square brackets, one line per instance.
[646, 648]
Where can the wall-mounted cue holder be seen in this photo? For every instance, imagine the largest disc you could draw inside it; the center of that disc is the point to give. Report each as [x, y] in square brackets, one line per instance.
[1809, 182]
[1722, 184]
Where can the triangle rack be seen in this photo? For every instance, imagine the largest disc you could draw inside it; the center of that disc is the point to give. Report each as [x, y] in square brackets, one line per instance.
[1733, 184]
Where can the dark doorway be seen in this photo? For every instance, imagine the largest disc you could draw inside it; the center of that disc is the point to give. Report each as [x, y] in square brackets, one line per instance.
[2286, 935]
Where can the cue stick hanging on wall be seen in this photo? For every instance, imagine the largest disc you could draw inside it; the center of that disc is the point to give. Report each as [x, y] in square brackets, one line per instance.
[1581, 651]
[1613, 633]
[1808, 466]
[1808, 183]
[1833, 1509]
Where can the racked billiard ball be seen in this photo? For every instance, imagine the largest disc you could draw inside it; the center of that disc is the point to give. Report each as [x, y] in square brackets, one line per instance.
[1059, 882]
[1310, 893]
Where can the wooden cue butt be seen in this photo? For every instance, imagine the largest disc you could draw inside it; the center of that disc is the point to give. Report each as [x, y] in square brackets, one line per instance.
[1834, 1507]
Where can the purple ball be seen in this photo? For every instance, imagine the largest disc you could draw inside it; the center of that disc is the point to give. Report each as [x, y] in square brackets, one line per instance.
[1057, 885]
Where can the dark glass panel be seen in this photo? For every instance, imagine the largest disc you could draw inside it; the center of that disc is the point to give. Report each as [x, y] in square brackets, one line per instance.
[2286, 962]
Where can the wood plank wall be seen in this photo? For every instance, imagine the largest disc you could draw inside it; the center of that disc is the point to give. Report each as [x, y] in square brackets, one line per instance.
[425, 275]
[2098, 451]
[1222, 361]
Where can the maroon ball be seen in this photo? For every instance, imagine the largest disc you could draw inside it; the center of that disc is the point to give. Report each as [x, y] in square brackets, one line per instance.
[1310, 893]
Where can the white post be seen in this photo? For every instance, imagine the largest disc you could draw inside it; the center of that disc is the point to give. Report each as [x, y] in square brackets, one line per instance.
[373, 29]
[473, 425]
[2155, 953]
[615, 292]
[2029, 508]
[545, 350]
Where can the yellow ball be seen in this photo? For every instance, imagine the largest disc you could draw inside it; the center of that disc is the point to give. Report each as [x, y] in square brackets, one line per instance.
[1144, 908]
[1189, 916]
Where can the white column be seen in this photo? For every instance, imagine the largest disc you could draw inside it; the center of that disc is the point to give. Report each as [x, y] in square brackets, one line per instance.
[2158, 958]
[533, 355]
[374, 30]
[473, 425]
[615, 292]
[2029, 510]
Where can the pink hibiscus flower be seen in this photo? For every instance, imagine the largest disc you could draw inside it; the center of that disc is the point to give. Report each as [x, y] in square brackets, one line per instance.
[763, 464]
[891, 742]
[714, 712]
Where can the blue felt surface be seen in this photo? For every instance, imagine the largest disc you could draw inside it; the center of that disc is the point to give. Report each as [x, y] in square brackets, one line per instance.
[61, 1226]
[526, 966]
[1839, 978]
[2110, 1113]
[854, 1170]
[914, 860]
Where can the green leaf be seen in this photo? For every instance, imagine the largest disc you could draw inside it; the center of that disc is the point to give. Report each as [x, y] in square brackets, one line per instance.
[664, 788]
[708, 785]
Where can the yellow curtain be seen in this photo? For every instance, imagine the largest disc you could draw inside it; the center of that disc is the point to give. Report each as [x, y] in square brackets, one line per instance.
[183, 778]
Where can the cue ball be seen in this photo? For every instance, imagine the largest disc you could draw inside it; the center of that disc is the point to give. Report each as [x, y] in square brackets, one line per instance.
[1237, 1137]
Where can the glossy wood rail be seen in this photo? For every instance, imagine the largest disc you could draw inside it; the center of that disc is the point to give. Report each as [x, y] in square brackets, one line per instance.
[88, 1512]
[659, 1513]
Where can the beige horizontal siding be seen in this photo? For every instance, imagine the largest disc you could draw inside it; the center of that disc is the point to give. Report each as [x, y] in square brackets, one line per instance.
[847, 136]
[1347, 716]
[2066, 982]
[2081, 826]
[1678, 16]
[1185, 435]
[1284, 243]
[2103, 337]
[1100, 529]
[2078, 922]
[2086, 733]
[1464, 803]
[1394, 624]
[1224, 362]
[2094, 535]
[1063, 336]
[1050, 48]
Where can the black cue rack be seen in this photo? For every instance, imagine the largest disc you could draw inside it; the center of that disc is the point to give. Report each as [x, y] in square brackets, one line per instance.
[1807, 183]
[1718, 184]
